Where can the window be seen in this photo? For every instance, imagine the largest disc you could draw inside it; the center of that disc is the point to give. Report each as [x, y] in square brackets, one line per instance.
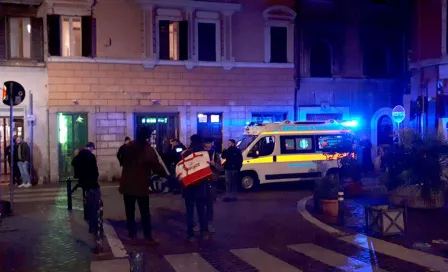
[279, 44]
[279, 34]
[297, 144]
[375, 62]
[207, 45]
[20, 38]
[268, 117]
[327, 142]
[71, 36]
[173, 40]
[264, 147]
[320, 60]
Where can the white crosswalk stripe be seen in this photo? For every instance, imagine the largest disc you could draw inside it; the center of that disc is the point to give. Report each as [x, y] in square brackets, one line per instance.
[191, 262]
[334, 259]
[263, 261]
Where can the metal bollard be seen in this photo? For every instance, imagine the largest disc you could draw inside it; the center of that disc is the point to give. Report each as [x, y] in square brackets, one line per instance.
[341, 206]
[137, 261]
[69, 194]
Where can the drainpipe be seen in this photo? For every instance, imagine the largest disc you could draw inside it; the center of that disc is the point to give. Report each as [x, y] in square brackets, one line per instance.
[48, 147]
[297, 59]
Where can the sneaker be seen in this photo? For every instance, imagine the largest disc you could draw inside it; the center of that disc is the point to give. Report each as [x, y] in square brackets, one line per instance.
[22, 185]
[196, 228]
[191, 239]
[27, 185]
[211, 229]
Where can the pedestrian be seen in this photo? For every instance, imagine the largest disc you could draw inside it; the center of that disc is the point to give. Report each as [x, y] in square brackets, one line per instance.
[140, 161]
[23, 158]
[15, 167]
[86, 170]
[232, 166]
[195, 195]
[121, 150]
[215, 164]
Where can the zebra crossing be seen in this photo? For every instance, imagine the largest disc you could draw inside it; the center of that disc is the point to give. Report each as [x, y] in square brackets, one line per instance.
[263, 261]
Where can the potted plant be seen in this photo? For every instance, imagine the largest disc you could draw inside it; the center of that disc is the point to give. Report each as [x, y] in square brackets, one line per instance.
[349, 170]
[416, 171]
[326, 194]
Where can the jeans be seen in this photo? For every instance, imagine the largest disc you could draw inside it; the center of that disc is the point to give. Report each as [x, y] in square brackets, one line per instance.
[200, 203]
[231, 183]
[23, 167]
[94, 213]
[143, 205]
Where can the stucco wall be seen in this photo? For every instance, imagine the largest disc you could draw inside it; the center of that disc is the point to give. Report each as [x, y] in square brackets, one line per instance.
[120, 21]
[33, 80]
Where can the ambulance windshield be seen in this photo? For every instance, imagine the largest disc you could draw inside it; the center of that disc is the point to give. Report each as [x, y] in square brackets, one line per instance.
[245, 141]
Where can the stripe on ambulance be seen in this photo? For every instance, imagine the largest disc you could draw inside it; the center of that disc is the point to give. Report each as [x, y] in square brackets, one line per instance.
[291, 158]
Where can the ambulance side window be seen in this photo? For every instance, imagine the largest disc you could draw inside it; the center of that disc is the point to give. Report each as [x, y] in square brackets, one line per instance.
[264, 147]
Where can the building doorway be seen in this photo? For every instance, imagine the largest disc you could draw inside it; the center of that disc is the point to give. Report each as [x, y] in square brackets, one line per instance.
[163, 127]
[5, 140]
[210, 128]
[385, 131]
[72, 135]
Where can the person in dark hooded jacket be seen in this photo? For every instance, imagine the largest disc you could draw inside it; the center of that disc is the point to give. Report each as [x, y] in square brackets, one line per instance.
[196, 195]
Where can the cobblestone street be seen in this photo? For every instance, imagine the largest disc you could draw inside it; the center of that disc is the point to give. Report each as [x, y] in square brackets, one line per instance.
[262, 231]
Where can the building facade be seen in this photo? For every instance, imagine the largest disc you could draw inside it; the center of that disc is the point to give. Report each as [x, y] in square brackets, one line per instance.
[208, 67]
[22, 59]
[429, 68]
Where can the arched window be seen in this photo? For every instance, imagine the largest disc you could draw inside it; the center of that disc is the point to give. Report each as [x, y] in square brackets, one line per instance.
[320, 60]
[279, 34]
[376, 61]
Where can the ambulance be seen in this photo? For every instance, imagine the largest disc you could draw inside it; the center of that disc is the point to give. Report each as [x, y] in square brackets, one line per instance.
[289, 151]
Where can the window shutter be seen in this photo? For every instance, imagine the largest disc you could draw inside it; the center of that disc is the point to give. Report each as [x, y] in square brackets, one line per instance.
[279, 44]
[37, 34]
[88, 26]
[164, 40]
[183, 40]
[207, 42]
[2, 37]
[54, 35]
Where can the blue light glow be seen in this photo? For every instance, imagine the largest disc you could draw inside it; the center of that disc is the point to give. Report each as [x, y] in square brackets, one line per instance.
[353, 123]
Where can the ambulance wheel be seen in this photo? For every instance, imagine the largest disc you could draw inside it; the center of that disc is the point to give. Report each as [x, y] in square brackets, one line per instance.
[249, 181]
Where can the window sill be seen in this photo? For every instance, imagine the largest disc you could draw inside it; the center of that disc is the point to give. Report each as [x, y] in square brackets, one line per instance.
[22, 63]
[189, 64]
[226, 65]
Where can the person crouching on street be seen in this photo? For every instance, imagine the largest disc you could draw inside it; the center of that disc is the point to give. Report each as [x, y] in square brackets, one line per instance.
[140, 160]
[196, 195]
[86, 170]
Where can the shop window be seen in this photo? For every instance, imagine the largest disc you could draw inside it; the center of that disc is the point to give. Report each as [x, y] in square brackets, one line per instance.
[173, 40]
[279, 44]
[71, 36]
[202, 118]
[297, 144]
[207, 42]
[320, 60]
[268, 117]
[214, 118]
[20, 38]
[264, 147]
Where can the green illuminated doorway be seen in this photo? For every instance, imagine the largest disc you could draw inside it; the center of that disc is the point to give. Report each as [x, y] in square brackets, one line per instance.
[72, 135]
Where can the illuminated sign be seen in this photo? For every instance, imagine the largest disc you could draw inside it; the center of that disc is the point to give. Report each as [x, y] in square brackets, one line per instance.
[398, 114]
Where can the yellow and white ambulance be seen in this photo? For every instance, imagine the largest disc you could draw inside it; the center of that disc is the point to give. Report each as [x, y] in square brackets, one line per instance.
[289, 151]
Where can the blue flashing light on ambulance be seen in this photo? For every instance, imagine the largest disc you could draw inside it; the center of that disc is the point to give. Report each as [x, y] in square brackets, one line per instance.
[289, 151]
